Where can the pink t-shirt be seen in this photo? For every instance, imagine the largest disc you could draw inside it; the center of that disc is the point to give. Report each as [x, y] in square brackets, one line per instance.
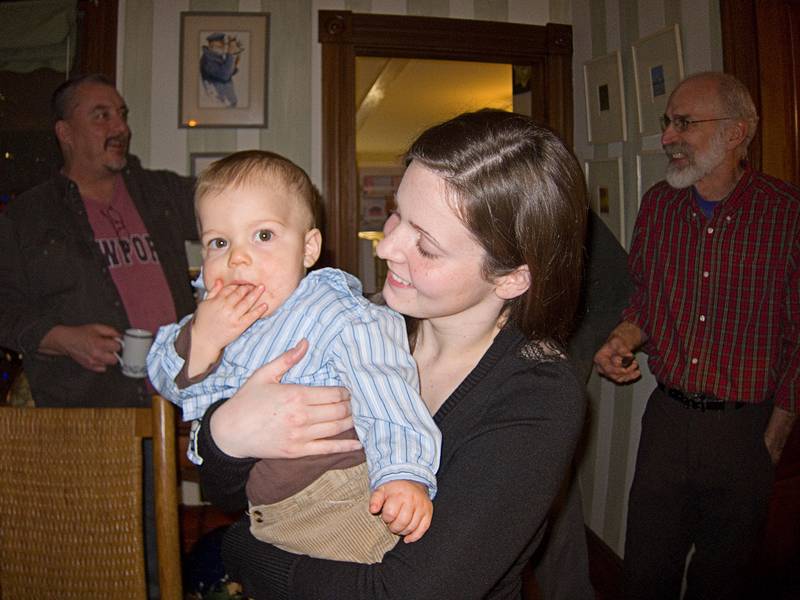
[123, 239]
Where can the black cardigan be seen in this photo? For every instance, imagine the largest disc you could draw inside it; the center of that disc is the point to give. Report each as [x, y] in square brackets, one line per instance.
[509, 432]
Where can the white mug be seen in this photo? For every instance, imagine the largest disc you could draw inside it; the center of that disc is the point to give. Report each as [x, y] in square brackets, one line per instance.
[135, 345]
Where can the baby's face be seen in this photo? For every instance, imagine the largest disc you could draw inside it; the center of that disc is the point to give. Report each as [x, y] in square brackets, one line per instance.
[257, 235]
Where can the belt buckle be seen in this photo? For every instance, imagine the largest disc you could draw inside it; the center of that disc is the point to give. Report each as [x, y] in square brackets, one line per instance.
[697, 400]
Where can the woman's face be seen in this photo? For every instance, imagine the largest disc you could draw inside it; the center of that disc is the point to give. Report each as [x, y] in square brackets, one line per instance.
[434, 262]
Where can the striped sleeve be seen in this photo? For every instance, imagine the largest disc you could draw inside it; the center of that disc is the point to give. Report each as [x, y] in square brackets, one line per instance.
[399, 436]
[787, 394]
[163, 366]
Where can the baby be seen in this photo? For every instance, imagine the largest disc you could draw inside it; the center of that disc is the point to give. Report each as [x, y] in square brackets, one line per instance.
[255, 212]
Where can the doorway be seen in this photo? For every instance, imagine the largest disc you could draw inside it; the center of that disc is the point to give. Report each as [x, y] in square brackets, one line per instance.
[546, 50]
[396, 99]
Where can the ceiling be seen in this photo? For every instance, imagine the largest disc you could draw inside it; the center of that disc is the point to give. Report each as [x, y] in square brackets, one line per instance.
[397, 98]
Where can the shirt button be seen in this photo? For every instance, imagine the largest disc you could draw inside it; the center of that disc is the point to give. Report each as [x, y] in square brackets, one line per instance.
[710, 230]
[702, 318]
[705, 274]
[728, 218]
[694, 361]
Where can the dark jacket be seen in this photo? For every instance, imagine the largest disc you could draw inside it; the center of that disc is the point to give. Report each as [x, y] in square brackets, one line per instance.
[52, 273]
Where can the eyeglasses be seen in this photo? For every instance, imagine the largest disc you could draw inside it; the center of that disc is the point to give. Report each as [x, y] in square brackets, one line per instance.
[116, 221]
[681, 124]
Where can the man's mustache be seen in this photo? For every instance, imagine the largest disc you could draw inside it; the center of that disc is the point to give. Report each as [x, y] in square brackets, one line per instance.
[676, 148]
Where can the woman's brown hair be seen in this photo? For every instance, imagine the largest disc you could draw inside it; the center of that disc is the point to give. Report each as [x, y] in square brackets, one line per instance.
[521, 193]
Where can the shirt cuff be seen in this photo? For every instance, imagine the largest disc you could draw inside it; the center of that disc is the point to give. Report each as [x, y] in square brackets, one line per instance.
[31, 337]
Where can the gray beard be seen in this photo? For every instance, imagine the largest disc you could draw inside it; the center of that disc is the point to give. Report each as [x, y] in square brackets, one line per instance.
[699, 165]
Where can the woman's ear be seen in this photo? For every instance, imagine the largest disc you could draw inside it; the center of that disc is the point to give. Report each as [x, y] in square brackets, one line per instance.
[312, 248]
[513, 284]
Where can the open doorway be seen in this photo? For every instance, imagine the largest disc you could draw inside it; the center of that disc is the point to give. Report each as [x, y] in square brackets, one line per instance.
[396, 99]
[545, 51]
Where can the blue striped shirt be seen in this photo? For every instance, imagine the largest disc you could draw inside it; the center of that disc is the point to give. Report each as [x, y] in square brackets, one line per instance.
[353, 343]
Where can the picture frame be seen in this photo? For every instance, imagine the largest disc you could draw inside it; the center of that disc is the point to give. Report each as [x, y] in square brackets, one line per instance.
[606, 197]
[223, 69]
[650, 169]
[199, 161]
[657, 69]
[605, 99]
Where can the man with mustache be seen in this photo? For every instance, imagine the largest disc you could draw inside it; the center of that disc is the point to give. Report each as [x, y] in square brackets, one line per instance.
[95, 250]
[218, 64]
[715, 261]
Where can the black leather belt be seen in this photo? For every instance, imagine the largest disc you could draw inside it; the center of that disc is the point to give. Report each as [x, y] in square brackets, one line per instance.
[701, 402]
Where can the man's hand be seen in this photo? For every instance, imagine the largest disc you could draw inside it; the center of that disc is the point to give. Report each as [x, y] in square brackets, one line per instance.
[405, 507]
[616, 359]
[93, 346]
[220, 318]
[268, 419]
[778, 429]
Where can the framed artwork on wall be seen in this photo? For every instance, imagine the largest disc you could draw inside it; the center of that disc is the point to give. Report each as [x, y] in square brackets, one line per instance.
[650, 169]
[201, 160]
[223, 69]
[657, 69]
[605, 105]
[604, 185]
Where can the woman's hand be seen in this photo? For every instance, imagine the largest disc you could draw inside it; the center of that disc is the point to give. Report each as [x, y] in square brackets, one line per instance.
[268, 419]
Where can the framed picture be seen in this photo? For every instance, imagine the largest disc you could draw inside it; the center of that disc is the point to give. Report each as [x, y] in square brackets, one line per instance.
[604, 184]
[200, 160]
[223, 69]
[650, 169]
[605, 106]
[657, 68]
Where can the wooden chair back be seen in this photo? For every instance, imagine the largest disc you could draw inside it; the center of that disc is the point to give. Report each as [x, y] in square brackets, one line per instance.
[71, 502]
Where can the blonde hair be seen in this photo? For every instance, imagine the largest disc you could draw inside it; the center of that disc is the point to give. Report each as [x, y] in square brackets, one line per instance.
[258, 167]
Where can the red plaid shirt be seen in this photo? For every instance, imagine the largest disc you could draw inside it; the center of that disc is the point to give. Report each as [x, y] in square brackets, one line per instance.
[719, 299]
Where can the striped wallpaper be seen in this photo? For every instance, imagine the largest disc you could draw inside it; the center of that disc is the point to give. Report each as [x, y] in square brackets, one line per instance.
[601, 27]
[148, 50]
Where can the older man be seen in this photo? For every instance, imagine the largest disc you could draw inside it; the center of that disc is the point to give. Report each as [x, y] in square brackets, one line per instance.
[715, 261]
[95, 250]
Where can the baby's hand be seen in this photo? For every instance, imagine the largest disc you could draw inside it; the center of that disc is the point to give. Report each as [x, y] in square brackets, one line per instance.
[225, 313]
[404, 506]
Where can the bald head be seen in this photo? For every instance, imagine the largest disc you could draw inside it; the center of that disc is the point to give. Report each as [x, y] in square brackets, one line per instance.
[727, 96]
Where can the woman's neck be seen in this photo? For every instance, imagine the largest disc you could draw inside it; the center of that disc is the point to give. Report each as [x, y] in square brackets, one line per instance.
[446, 352]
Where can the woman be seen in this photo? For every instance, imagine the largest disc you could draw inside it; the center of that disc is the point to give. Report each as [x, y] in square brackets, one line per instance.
[484, 257]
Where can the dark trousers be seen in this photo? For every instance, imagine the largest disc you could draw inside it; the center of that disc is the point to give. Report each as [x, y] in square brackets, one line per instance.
[702, 479]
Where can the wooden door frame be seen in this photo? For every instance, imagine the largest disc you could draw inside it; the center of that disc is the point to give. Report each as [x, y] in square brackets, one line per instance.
[740, 57]
[345, 35]
[97, 38]
[750, 37]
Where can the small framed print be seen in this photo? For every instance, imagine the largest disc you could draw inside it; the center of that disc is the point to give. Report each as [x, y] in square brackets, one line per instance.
[650, 169]
[604, 184]
[223, 69]
[605, 106]
[201, 160]
[657, 69]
